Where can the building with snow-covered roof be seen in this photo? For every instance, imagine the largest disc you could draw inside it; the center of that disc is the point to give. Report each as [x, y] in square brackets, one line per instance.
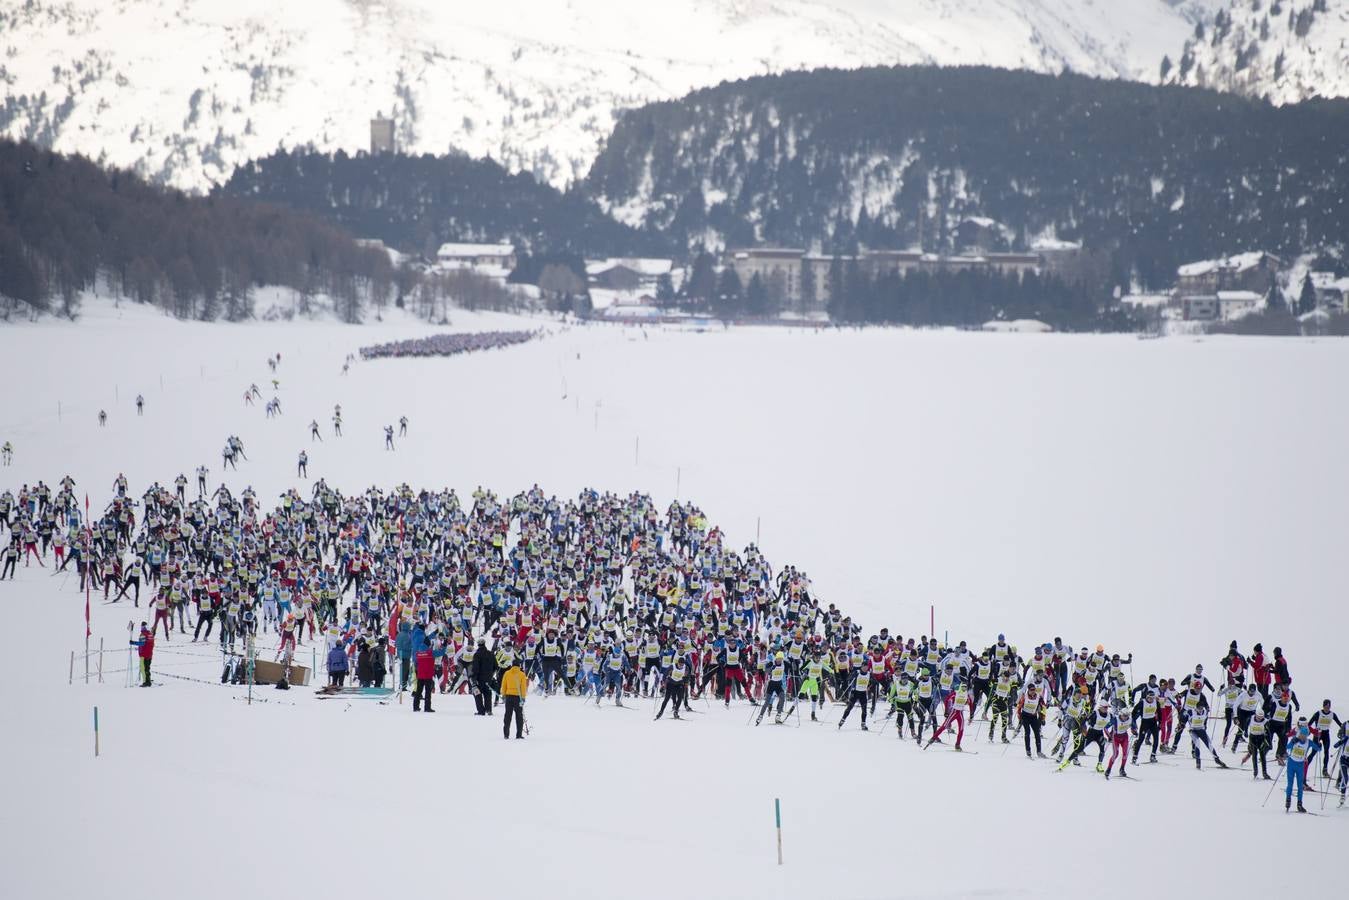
[1332, 292]
[628, 273]
[500, 256]
[1235, 304]
[1255, 271]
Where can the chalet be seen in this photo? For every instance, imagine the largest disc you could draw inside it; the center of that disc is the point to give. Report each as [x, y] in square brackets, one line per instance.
[617, 277]
[1255, 271]
[628, 274]
[494, 258]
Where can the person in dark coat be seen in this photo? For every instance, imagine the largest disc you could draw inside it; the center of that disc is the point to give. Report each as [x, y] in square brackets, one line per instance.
[337, 665]
[364, 672]
[377, 669]
[483, 669]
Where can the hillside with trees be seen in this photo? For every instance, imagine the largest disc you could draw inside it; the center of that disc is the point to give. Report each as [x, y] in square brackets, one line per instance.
[68, 226]
[414, 203]
[911, 156]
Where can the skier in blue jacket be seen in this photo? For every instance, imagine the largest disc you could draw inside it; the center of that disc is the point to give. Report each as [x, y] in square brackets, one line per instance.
[1301, 751]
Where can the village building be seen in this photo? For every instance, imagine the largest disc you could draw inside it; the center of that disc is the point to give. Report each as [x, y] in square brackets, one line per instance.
[801, 282]
[628, 273]
[1332, 292]
[1255, 271]
[496, 260]
[1233, 305]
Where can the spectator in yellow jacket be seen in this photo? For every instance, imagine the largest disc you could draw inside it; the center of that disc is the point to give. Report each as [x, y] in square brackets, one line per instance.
[514, 686]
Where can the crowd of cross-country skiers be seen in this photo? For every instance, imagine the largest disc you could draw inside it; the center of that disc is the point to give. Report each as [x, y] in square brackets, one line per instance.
[605, 598]
[448, 344]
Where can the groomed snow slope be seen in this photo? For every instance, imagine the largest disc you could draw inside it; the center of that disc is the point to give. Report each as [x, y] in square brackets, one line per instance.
[1162, 496]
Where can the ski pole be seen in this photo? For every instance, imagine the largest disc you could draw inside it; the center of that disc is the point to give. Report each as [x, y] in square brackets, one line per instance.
[1270, 792]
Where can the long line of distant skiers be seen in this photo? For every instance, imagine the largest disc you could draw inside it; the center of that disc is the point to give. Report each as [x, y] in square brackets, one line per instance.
[603, 597]
[448, 344]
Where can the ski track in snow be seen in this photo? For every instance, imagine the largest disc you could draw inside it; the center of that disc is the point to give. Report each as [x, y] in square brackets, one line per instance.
[1163, 497]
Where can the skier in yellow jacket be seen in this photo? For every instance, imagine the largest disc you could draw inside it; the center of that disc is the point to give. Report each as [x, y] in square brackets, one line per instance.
[514, 686]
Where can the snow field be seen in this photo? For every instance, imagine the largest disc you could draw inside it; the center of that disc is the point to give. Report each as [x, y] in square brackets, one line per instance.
[1163, 497]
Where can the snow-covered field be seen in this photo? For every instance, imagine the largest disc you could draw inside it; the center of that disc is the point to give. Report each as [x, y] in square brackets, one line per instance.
[1163, 497]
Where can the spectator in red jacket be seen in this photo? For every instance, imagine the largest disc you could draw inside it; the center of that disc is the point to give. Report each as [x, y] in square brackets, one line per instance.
[425, 662]
[146, 652]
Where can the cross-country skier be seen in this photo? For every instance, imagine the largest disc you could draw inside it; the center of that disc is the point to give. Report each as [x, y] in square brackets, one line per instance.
[961, 703]
[676, 687]
[1094, 729]
[1257, 747]
[1322, 721]
[1118, 732]
[1197, 726]
[1302, 750]
[1029, 710]
[776, 687]
[1147, 712]
[858, 696]
[1342, 754]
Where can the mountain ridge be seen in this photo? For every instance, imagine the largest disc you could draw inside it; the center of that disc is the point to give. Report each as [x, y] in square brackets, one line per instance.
[185, 91]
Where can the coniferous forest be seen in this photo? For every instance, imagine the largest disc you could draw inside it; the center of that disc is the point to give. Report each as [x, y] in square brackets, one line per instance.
[66, 226]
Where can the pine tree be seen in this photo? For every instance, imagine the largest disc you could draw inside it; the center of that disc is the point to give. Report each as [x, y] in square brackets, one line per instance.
[1306, 301]
[756, 297]
[729, 299]
[1274, 300]
[665, 293]
[809, 292]
[701, 286]
[837, 300]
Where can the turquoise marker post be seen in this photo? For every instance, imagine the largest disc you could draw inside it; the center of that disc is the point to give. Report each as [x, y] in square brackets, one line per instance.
[777, 814]
[96, 752]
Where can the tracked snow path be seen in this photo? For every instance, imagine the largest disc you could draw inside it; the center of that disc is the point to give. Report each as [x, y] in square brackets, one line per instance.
[1161, 496]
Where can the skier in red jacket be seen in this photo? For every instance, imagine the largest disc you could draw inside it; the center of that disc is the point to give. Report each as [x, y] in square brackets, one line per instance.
[1262, 669]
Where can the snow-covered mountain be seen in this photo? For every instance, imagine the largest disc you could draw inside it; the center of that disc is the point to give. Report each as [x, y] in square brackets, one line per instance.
[186, 90]
[1283, 50]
